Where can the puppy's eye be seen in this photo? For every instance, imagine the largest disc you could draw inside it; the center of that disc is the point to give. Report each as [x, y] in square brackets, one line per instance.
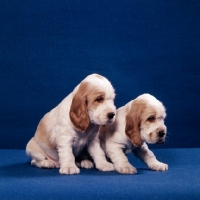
[99, 99]
[151, 119]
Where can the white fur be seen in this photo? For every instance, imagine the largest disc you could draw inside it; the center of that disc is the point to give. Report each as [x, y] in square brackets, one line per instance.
[58, 145]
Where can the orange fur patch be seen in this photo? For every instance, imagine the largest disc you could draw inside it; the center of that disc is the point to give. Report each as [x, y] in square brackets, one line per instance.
[42, 135]
[133, 122]
[78, 110]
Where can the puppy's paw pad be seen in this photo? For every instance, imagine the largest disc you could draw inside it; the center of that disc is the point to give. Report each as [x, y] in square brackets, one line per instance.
[105, 166]
[69, 170]
[87, 164]
[159, 166]
[126, 169]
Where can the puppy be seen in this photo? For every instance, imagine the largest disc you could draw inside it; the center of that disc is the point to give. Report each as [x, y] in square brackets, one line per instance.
[73, 125]
[139, 122]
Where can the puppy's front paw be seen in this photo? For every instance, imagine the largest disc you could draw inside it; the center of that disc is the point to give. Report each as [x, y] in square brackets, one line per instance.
[69, 170]
[158, 166]
[126, 168]
[105, 166]
[87, 164]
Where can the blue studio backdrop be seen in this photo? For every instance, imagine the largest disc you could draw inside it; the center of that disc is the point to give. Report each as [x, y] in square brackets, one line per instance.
[47, 47]
[142, 46]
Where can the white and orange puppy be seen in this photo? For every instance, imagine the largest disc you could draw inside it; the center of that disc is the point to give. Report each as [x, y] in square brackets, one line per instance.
[139, 122]
[73, 125]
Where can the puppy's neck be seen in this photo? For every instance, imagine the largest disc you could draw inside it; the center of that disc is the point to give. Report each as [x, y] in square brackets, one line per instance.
[93, 127]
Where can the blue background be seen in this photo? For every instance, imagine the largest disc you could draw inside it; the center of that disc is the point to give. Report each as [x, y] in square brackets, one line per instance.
[47, 47]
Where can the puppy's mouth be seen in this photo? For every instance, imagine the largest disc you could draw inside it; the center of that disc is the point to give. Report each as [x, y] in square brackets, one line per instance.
[160, 141]
[102, 123]
[110, 121]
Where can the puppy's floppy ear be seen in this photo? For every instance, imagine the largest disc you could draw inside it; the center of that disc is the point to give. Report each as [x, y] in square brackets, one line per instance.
[78, 110]
[133, 121]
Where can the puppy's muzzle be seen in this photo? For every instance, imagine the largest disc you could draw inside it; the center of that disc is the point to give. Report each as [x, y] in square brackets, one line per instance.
[110, 117]
[161, 138]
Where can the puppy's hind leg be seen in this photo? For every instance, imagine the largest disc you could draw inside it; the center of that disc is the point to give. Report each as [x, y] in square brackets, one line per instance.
[39, 158]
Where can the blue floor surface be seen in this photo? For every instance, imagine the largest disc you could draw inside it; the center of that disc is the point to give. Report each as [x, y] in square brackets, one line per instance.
[19, 180]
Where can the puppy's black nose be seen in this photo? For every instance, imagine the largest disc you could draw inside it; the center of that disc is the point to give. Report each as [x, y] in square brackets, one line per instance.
[110, 115]
[161, 133]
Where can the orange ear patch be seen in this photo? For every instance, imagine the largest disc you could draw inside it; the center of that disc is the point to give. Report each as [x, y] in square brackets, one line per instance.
[78, 110]
[133, 122]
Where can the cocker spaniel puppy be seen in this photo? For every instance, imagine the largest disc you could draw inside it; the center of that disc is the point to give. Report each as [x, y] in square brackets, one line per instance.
[72, 126]
[139, 122]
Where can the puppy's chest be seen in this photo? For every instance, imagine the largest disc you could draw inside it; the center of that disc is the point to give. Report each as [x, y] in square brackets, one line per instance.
[79, 142]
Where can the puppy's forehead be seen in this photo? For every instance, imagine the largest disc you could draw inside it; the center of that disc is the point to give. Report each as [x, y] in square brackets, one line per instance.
[101, 84]
[155, 103]
[149, 99]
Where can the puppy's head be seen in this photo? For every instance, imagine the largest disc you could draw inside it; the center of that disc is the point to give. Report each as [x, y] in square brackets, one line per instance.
[145, 121]
[93, 103]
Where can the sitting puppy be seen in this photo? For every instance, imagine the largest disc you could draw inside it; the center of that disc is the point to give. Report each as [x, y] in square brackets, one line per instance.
[71, 126]
[138, 122]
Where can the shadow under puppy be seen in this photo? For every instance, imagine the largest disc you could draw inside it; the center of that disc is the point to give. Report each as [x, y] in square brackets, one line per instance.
[72, 126]
[139, 122]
